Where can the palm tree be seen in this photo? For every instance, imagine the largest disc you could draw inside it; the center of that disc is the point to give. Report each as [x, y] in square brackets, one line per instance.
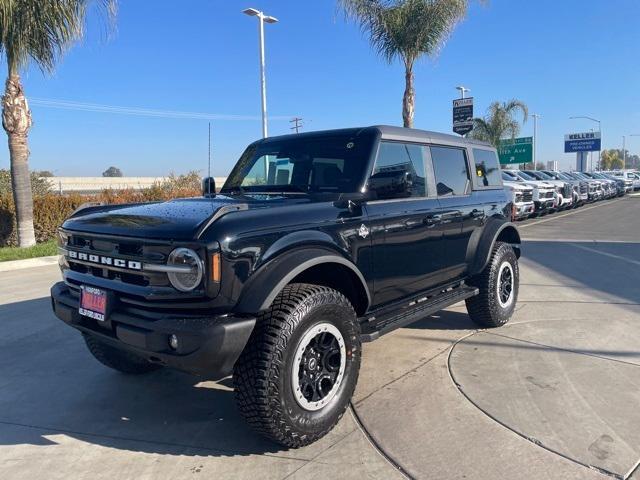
[39, 31]
[500, 122]
[406, 29]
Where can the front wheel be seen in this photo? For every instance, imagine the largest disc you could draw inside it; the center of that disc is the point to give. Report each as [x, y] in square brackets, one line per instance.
[296, 376]
[498, 284]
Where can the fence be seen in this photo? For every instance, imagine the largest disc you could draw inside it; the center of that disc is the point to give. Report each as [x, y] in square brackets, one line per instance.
[92, 185]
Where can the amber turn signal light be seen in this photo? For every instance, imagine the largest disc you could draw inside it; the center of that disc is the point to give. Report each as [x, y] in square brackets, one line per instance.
[215, 267]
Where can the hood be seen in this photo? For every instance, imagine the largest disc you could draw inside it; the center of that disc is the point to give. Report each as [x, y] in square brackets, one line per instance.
[516, 186]
[180, 219]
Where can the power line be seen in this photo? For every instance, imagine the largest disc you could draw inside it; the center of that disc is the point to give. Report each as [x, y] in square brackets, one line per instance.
[137, 111]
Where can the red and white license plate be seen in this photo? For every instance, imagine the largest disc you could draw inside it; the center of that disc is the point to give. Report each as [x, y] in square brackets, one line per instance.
[93, 303]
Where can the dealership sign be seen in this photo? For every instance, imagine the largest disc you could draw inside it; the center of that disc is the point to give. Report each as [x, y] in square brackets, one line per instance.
[582, 142]
[463, 115]
[516, 150]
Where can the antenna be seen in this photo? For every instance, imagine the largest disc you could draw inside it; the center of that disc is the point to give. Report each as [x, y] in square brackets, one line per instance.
[209, 156]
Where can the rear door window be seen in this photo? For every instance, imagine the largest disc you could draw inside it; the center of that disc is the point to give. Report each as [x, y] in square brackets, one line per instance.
[451, 171]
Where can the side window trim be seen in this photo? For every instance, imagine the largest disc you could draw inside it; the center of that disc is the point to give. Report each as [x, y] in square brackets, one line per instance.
[465, 151]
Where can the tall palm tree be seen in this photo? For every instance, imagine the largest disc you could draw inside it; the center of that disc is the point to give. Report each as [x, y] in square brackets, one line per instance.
[500, 122]
[406, 29]
[39, 31]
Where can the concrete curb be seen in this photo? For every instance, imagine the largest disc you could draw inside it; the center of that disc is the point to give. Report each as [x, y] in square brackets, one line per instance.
[28, 263]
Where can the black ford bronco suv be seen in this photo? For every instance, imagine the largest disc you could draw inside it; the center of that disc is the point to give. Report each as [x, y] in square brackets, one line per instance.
[316, 243]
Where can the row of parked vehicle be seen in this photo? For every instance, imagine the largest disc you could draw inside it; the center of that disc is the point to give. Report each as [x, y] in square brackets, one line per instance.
[537, 192]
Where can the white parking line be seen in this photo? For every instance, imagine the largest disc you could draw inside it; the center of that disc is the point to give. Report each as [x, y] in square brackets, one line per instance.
[573, 212]
[606, 254]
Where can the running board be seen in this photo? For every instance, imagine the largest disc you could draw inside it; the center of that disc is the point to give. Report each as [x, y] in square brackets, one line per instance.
[373, 327]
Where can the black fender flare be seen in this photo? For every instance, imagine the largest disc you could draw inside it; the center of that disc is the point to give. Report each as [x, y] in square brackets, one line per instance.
[484, 243]
[267, 282]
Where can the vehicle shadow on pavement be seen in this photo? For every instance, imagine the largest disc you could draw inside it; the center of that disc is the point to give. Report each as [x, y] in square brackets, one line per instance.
[50, 384]
[444, 320]
[609, 269]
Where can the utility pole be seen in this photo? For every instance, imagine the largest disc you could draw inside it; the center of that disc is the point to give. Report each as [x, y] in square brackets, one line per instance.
[209, 155]
[297, 124]
[535, 138]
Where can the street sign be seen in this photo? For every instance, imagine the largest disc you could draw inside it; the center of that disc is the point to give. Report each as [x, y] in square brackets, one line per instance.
[516, 150]
[582, 142]
[463, 115]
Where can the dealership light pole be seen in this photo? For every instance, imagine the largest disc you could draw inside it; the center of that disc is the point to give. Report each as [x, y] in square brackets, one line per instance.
[599, 131]
[252, 12]
[535, 138]
[462, 90]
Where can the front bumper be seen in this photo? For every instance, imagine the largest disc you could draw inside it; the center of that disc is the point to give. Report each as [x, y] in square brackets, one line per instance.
[523, 210]
[544, 205]
[207, 346]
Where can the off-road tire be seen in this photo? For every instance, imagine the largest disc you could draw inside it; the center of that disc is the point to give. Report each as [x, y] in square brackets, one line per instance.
[117, 359]
[485, 309]
[263, 374]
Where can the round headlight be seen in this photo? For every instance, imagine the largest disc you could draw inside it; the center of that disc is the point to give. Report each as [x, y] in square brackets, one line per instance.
[191, 266]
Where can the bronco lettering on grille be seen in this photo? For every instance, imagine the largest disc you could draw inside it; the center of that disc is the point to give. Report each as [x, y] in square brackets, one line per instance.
[102, 260]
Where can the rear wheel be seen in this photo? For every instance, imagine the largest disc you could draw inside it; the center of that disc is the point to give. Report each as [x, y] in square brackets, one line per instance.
[498, 284]
[117, 359]
[296, 376]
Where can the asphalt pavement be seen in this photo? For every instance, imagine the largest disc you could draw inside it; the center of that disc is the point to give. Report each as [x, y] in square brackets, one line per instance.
[552, 395]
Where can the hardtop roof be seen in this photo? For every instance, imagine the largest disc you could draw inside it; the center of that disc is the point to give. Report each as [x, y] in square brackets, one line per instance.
[387, 132]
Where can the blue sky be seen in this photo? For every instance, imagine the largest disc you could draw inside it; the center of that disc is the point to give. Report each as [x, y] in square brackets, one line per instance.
[562, 58]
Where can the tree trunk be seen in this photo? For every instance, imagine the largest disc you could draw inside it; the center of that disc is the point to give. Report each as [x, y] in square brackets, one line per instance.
[409, 98]
[16, 120]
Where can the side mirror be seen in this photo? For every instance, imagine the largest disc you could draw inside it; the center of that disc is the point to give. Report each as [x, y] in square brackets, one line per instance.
[208, 187]
[351, 201]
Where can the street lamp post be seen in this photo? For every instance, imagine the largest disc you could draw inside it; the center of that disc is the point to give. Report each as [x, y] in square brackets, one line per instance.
[462, 90]
[599, 131]
[535, 138]
[252, 12]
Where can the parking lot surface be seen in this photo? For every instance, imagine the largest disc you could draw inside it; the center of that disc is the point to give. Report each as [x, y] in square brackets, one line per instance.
[552, 395]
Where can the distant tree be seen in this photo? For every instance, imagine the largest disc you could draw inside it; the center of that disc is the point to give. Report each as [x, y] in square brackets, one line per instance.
[44, 173]
[112, 172]
[500, 122]
[39, 184]
[39, 31]
[406, 30]
[611, 159]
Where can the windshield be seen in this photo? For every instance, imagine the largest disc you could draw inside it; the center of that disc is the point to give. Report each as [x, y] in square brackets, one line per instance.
[510, 177]
[526, 176]
[320, 164]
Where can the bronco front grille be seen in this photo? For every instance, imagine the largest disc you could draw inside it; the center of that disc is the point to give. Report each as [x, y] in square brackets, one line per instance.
[527, 196]
[115, 259]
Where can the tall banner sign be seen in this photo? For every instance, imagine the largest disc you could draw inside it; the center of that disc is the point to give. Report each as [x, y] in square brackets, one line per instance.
[463, 115]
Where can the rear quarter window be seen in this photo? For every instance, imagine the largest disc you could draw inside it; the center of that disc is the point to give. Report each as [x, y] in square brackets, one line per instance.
[487, 169]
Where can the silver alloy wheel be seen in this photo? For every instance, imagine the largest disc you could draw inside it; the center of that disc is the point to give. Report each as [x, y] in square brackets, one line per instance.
[318, 366]
[505, 285]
